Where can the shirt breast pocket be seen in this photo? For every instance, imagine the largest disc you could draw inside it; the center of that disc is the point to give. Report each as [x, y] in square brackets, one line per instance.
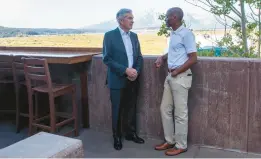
[177, 47]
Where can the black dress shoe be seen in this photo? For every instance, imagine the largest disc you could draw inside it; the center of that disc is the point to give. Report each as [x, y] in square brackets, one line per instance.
[117, 143]
[134, 137]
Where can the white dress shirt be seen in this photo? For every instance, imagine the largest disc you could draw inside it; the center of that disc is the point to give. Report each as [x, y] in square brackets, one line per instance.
[181, 43]
[128, 46]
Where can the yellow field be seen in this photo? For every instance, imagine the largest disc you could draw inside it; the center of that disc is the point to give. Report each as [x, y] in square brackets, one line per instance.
[150, 43]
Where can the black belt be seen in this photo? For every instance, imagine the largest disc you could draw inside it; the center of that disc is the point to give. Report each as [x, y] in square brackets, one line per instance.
[171, 70]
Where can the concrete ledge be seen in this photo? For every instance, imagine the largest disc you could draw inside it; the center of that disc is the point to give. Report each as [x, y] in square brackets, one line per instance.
[62, 49]
[44, 145]
[224, 102]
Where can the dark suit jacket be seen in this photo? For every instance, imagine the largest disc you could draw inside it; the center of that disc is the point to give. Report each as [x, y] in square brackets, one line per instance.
[115, 57]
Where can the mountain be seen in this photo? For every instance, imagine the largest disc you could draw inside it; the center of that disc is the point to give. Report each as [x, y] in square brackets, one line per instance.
[196, 22]
[103, 26]
[149, 20]
[14, 32]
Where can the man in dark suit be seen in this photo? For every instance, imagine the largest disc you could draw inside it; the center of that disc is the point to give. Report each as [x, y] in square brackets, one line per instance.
[122, 55]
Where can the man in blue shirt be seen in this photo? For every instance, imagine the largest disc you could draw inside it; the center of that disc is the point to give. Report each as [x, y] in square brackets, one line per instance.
[180, 57]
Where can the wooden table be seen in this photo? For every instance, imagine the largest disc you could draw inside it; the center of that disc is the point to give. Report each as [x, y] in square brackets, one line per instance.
[55, 57]
[64, 57]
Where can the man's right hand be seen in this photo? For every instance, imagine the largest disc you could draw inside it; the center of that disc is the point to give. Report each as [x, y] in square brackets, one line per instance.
[159, 62]
[131, 72]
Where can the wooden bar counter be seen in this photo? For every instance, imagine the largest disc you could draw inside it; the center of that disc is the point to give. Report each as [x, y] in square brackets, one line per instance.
[61, 59]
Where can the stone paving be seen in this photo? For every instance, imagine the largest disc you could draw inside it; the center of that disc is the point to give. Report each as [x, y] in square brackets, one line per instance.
[99, 145]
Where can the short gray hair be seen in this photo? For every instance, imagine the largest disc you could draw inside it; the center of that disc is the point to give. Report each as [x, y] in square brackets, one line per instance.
[177, 11]
[121, 13]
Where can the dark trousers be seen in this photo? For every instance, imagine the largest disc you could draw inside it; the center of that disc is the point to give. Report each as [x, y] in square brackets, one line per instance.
[124, 108]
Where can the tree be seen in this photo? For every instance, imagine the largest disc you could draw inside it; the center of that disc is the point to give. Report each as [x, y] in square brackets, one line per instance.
[164, 30]
[246, 25]
[257, 5]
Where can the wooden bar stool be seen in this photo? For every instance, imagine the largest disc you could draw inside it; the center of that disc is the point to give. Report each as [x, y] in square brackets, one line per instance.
[12, 72]
[19, 81]
[6, 76]
[18, 76]
[38, 70]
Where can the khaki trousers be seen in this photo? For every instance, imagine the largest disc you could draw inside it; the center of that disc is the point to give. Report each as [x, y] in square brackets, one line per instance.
[175, 97]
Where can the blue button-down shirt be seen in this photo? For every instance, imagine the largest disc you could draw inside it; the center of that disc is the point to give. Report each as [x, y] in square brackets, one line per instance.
[182, 42]
[128, 46]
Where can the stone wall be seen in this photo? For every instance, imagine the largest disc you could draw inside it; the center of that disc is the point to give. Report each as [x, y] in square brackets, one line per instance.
[224, 102]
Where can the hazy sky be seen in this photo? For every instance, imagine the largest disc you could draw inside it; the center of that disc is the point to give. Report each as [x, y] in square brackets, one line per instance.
[78, 13]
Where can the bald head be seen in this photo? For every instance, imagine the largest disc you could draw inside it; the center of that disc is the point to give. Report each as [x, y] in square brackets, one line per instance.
[177, 12]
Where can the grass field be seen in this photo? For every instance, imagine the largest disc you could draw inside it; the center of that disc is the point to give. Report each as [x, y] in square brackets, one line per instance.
[151, 43]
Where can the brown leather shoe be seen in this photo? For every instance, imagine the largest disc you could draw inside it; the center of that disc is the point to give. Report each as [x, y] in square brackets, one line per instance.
[175, 151]
[164, 146]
